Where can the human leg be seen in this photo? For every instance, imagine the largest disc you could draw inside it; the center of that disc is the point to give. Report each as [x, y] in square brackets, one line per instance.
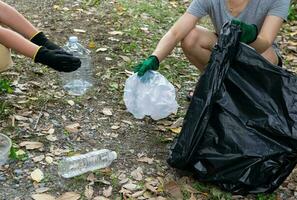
[197, 46]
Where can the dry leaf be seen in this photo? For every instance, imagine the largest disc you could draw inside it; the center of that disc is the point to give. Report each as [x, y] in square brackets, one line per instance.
[42, 197]
[49, 159]
[51, 138]
[115, 127]
[116, 33]
[79, 30]
[51, 131]
[137, 174]
[126, 58]
[31, 145]
[91, 177]
[151, 188]
[37, 175]
[73, 128]
[42, 190]
[101, 50]
[20, 118]
[70, 102]
[173, 189]
[38, 158]
[192, 197]
[89, 191]
[69, 196]
[107, 192]
[146, 160]
[131, 186]
[107, 111]
[176, 130]
[138, 194]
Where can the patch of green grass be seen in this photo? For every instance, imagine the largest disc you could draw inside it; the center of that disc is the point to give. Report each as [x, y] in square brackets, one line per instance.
[5, 87]
[14, 156]
[293, 12]
[6, 110]
[266, 197]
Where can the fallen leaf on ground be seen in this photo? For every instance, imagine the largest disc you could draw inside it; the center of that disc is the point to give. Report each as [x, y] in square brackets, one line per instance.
[42, 197]
[20, 118]
[79, 30]
[137, 174]
[173, 189]
[89, 191]
[70, 102]
[38, 158]
[115, 33]
[51, 138]
[101, 49]
[176, 130]
[31, 145]
[107, 111]
[37, 175]
[69, 196]
[49, 159]
[146, 160]
[107, 192]
[73, 128]
[131, 186]
[138, 194]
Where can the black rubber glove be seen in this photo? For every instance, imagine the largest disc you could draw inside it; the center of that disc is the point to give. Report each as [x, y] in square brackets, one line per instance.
[41, 40]
[57, 59]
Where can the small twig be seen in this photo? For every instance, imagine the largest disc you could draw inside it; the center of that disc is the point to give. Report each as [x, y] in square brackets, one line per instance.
[40, 114]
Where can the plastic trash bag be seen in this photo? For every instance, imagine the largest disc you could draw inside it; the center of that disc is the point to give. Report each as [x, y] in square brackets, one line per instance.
[240, 130]
[152, 95]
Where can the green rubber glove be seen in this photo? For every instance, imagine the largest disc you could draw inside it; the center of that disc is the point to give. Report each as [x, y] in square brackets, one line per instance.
[151, 63]
[249, 31]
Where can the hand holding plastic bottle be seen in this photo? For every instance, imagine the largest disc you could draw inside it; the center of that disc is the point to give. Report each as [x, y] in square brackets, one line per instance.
[57, 59]
[151, 63]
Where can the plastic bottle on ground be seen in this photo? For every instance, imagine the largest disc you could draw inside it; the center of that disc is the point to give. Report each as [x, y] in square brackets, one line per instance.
[78, 82]
[80, 164]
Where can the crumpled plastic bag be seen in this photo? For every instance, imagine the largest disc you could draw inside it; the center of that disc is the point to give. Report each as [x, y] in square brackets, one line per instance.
[152, 95]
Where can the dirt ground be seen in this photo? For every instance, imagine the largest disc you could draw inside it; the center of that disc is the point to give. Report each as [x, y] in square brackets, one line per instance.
[142, 145]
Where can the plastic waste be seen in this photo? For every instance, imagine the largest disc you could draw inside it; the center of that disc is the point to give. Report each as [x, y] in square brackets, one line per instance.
[240, 130]
[5, 145]
[152, 95]
[80, 164]
[78, 82]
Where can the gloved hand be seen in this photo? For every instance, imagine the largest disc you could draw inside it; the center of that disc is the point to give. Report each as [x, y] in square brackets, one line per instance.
[249, 31]
[57, 59]
[41, 40]
[151, 63]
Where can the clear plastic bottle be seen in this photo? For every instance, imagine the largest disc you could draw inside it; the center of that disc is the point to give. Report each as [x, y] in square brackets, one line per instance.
[77, 165]
[78, 82]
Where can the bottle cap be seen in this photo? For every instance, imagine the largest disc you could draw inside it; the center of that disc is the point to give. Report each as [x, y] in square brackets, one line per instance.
[73, 39]
[114, 155]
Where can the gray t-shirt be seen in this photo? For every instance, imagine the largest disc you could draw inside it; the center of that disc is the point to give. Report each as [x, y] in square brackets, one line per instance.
[254, 13]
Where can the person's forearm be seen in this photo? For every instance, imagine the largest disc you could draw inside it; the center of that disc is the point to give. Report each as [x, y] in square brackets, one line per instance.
[261, 44]
[165, 45]
[13, 40]
[14, 20]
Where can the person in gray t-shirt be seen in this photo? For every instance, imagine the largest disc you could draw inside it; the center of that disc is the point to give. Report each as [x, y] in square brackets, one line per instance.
[260, 22]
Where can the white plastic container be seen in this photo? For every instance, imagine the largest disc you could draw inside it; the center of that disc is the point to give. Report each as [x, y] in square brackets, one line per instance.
[5, 145]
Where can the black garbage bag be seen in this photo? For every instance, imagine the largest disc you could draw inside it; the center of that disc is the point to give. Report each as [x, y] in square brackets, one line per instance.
[239, 132]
